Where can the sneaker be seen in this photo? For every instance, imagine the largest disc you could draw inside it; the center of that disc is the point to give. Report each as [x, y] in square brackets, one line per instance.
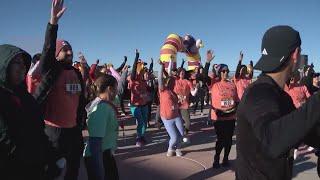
[122, 114]
[178, 152]
[216, 165]
[139, 142]
[170, 153]
[216, 162]
[226, 163]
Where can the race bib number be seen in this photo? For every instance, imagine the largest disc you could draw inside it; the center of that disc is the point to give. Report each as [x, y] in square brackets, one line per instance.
[73, 88]
[227, 103]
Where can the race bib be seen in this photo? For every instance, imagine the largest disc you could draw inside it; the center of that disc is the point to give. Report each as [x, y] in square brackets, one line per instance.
[227, 103]
[73, 88]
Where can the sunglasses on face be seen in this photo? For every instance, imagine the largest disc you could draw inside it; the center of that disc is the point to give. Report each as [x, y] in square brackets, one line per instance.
[225, 71]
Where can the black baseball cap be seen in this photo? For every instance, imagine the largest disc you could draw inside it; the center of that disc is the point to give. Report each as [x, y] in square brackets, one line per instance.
[277, 45]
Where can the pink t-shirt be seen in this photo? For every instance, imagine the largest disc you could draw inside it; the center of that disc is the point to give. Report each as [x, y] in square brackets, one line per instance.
[242, 84]
[169, 107]
[223, 97]
[139, 92]
[298, 93]
[63, 101]
[183, 89]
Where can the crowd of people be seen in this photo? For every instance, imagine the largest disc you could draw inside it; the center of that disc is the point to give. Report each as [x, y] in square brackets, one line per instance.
[48, 99]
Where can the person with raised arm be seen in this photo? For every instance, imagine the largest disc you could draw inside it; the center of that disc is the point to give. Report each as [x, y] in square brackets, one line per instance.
[243, 76]
[169, 111]
[62, 94]
[139, 99]
[224, 101]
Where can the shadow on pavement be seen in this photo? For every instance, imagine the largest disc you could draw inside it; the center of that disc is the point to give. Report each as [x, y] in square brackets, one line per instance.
[208, 173]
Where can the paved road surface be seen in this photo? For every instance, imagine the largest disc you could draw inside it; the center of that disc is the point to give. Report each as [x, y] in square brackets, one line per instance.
[150, 162]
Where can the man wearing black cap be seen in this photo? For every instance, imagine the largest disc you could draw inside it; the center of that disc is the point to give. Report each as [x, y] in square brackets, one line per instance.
[268, 124]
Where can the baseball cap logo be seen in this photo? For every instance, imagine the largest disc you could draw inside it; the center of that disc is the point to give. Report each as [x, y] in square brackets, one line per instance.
[264, 52]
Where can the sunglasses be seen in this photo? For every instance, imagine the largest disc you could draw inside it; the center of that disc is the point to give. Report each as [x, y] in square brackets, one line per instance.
[225, 71]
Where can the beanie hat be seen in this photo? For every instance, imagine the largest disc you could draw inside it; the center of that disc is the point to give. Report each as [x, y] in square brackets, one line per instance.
[61, 44]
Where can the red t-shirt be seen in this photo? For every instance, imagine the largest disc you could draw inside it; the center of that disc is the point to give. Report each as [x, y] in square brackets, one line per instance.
[169, 107]
[223, 97]
[242, 84]
[298, 93]
[139, 92]
[63, 101]
[183, 89]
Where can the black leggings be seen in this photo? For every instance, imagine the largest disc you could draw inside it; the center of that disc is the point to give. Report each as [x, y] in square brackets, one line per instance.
[68, 142]
[224, 131]
[110, 167]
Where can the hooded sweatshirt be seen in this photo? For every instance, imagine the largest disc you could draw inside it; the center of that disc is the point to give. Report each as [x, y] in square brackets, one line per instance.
[24, 146]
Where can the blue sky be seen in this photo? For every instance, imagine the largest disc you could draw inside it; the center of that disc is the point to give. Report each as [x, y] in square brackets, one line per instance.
[110, 29]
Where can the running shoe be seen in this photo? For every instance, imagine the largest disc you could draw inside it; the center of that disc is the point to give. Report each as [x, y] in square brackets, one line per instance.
[178, 152]
[139, 142]
[226, 163]
[170, 153]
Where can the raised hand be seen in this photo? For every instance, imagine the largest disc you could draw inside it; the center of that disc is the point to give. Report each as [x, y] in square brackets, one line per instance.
[210, 55]
[160, 63]
[57, 11]
[151, 60]
[241, 56]
[125, 68]
[97, 62]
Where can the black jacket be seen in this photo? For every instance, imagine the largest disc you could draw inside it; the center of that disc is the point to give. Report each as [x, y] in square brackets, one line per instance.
[51, 70]
[269, 127]
[24, 147]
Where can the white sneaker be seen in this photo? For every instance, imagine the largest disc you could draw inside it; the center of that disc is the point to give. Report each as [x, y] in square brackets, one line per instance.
[170, 153]
[295, 154]
[178, 152]
[310, 148]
